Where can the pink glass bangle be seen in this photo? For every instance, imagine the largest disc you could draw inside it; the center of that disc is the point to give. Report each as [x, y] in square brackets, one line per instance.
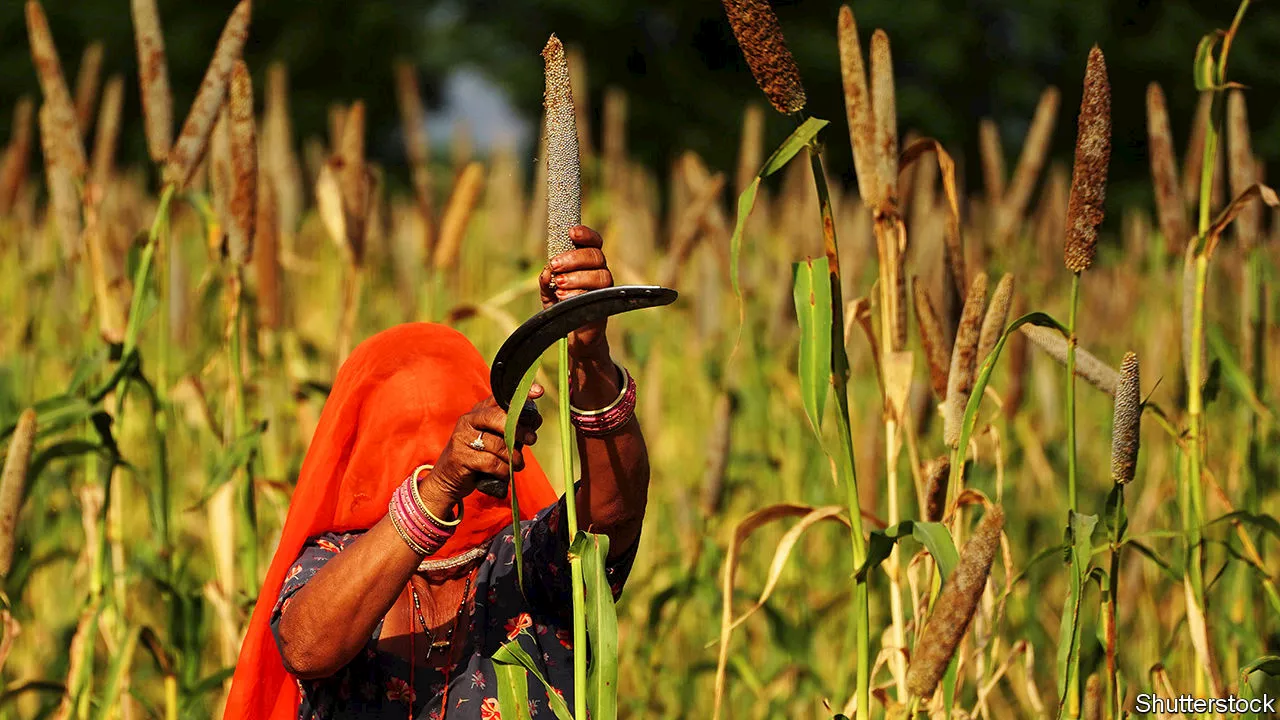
[416, 525]
[608, 420]
[412, 524]
[421, 524]
[420, 544]
[422, 517]
[399, 526]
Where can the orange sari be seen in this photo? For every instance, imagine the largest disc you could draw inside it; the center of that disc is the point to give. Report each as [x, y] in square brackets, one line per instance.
[393, 407]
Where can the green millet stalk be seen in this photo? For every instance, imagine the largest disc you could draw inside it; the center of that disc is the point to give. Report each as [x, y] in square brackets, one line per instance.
[564, 183]
[955, 606]
[760, 37]
[997, 315]
[936, 352]
[12, 483]
[964, 359]
[1126, 422]
[1088, 366]
[194, 138]
[1089, 176]
[1188, 313]
[564, 211]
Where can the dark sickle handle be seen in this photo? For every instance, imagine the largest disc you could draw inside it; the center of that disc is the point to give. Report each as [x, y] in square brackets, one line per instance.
[493, 486]
[497, 486]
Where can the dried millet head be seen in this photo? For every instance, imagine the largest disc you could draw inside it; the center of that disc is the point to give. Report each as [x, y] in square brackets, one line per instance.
[760, 37]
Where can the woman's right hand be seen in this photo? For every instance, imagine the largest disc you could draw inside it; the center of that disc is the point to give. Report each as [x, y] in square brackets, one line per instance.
[460, 464]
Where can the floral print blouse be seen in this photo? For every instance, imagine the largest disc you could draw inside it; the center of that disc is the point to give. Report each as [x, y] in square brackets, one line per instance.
[375, 684]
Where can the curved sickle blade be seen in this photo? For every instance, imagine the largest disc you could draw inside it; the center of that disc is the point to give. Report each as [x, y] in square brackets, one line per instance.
[524, 346]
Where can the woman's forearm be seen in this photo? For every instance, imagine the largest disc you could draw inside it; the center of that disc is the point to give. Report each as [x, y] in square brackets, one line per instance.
[615, 468]
[332, 617]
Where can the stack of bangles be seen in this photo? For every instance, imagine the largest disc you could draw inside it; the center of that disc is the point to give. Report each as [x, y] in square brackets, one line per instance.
[420, 529]
[611, 418]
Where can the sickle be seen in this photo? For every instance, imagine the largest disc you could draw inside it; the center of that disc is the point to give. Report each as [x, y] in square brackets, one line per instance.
[529, 341]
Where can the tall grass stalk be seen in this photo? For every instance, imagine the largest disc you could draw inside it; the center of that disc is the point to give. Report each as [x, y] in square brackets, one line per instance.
[845, 458]
[1125, 439]
[1194, 493]
[564, 211]
[1084, 215]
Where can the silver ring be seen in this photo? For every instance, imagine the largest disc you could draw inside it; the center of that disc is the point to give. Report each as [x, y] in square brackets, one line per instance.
[478, 443]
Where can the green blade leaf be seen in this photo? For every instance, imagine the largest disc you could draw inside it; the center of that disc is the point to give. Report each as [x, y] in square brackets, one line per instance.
[933, 536]
[812, 282]
[55, 414]
[120, 665]
[602, 626]
[63, 450]
[1204, 70]
[511, 653]
[1080, 538]
[513, 691]
[509, 437]
[211, 682]
[794, 143]
[1269, 664]
[1259, 521]
[238, 455]
[984, 377]
[87, 367]
[746, 202]
[1235, 376]
[1172, 573]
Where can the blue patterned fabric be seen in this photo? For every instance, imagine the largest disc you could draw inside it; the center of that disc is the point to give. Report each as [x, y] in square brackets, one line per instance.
[375, 684]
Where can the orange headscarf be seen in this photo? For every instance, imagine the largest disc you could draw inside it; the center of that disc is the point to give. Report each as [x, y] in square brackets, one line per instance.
[392, 408]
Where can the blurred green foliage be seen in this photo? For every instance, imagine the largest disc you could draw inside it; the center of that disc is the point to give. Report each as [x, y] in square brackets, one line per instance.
[682, 69]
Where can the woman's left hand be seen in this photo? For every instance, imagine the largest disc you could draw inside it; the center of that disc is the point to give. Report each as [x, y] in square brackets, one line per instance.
[582, 269]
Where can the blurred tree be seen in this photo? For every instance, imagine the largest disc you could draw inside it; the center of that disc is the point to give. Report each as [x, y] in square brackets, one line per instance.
[684, 74]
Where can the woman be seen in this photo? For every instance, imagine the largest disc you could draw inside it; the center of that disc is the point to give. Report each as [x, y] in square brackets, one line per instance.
[394, 582]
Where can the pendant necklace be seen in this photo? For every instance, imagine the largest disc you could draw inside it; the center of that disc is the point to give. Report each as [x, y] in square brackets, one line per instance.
[432, 643]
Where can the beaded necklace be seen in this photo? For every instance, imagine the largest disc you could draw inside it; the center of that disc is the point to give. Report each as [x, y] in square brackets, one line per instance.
[446, 643]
